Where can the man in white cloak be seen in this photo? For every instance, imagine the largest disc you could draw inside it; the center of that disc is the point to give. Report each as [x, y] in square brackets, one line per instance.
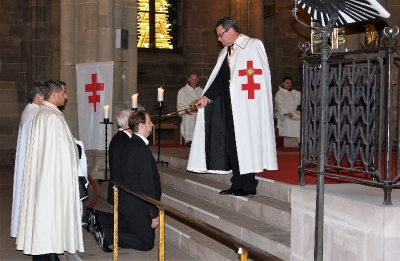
[286, 101]
[36, 98]
[186, 95]
[50, 217]
[235, 131]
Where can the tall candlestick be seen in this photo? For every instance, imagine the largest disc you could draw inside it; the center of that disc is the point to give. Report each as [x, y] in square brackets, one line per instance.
[160, 94]
[105, 109]
[134, 100]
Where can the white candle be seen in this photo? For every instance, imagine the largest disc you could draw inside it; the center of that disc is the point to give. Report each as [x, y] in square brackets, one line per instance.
[105, 109]
[160, 94]
[134, 100]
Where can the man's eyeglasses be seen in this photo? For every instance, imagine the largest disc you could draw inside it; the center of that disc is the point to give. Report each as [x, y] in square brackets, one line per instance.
[220, 35]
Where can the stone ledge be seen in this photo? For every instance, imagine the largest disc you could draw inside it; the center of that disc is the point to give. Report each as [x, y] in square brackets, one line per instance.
[357, 226]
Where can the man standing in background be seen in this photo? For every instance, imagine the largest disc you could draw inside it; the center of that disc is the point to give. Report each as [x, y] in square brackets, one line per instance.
[36, 98]
[189, 94]
[50, 215]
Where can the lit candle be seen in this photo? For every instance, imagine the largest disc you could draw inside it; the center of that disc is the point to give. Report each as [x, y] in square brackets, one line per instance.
[134, 100]
[160, 94]
[106, 108]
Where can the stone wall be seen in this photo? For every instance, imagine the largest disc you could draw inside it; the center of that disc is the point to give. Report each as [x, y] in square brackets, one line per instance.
[13, 73]
[283, 34]
[45, 41]
[29, 51]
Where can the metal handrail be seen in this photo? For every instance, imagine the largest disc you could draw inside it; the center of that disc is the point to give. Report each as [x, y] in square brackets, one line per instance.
[243, 246]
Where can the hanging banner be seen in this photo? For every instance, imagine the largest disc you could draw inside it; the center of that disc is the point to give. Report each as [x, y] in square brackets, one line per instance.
[94, 91]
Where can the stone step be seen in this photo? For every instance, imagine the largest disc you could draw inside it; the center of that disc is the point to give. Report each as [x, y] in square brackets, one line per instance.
[261, 207]
[93, 252]
[267, 237]
[195, 243]
[265, 186]
[178, 237]
[173, 161]
[268, 187]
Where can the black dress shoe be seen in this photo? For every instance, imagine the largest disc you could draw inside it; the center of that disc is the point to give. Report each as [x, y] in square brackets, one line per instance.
[53, 257]
[242, 193]
[86, 218]
[226, 191]
[101, 240]
[94, 222]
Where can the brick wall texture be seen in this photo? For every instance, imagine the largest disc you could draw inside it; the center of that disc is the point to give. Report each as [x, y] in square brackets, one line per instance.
[13, 68]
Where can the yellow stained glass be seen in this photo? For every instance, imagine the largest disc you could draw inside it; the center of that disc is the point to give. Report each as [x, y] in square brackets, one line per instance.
[162, 26]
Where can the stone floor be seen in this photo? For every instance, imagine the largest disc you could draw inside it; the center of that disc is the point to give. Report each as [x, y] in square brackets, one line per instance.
[92, 251]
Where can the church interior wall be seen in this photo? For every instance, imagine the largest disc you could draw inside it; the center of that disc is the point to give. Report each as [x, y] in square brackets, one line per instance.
[199, 47]
[44, 39]
[283, 34]
[13, 73]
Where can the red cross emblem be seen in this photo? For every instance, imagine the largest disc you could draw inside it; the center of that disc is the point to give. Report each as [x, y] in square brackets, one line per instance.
[94, 87]
[250, 86]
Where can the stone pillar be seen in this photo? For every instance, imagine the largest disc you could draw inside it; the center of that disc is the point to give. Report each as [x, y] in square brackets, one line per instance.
[256, 22]
[393, 7]
[105, 26]
[130, 55]
[87, 31]
[249, 15]
[118, 97]
[54, 62]
[68, 11]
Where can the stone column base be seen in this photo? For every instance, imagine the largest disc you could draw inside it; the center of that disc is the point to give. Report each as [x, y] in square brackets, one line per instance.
[357, 226]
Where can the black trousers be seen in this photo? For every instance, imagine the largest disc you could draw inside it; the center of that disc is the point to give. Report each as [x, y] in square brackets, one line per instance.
[46, 257]
[133, 232]
[246, 181]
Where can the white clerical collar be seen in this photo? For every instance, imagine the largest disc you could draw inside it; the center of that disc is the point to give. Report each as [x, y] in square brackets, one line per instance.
[143, 138]
[192, 88]
[51, 106]
[127, 132]
[283, 89]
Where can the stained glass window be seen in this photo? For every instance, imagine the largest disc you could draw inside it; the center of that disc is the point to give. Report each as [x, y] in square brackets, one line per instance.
[157, 24]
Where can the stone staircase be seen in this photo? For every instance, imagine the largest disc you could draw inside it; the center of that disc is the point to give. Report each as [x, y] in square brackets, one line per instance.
[262, 220]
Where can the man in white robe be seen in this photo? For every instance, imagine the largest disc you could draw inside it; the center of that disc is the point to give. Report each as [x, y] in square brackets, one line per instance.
[50, 217]
[286, 101]
[186, 95]
[235, 131]
[36, 98]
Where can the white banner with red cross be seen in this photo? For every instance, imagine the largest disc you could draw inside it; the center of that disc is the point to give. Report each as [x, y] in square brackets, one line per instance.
[94, 83]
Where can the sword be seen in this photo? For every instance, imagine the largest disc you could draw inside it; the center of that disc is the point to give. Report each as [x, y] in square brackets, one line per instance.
[190, 108]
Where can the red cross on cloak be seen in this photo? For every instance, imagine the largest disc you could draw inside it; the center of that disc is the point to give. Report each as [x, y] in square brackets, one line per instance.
[94, 87]
[250, 86]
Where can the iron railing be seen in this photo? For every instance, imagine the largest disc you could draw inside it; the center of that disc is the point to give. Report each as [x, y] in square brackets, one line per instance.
[357, 139]
[244, 247]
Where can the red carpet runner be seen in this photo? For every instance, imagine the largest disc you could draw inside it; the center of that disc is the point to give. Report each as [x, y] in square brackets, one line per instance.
[288, 167]
[288, 171]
